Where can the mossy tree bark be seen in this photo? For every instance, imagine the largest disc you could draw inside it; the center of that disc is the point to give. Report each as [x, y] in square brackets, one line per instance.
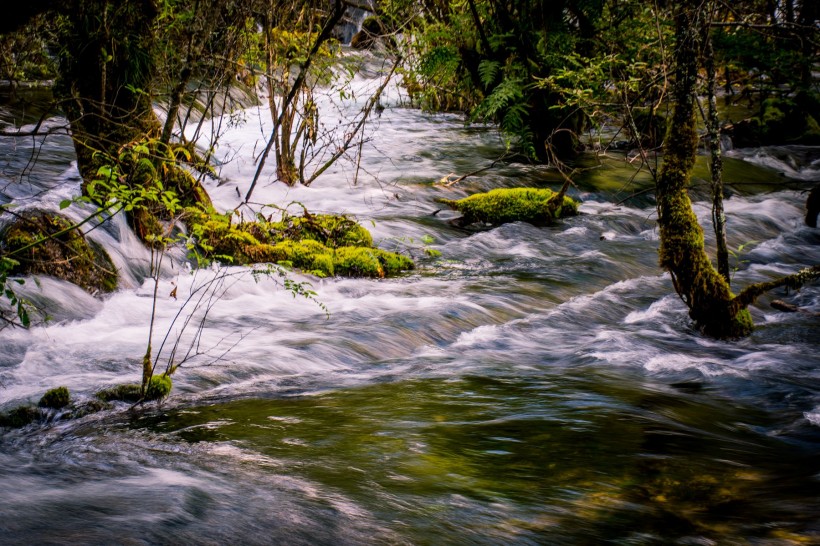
[107, 72]
[713, 307]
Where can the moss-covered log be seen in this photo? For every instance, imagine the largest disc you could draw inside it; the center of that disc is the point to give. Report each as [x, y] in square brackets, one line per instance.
[538, 206]
[46, 243]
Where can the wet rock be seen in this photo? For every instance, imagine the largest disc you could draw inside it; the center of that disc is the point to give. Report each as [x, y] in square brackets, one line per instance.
[20, 417]
[56, 398]
[504, 205]
[159, 387]
[43, 243]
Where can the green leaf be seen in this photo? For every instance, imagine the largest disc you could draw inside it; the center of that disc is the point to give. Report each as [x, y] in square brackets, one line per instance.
[65, 203]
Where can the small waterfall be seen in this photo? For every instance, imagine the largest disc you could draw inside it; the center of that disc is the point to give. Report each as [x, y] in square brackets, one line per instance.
[352, 23]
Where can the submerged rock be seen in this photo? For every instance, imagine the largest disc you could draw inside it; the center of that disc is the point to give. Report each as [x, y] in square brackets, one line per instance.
[56, 398]
[20, 417]
[43, 243]
[504, 205]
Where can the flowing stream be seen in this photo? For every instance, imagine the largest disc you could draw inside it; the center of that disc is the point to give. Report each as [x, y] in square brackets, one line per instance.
[528, 386]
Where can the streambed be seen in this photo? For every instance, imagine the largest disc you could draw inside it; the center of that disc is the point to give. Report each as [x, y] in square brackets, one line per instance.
[528, 386]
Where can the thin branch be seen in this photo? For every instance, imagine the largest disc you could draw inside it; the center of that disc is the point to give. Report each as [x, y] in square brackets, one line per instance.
[794, 282]
[339, 8]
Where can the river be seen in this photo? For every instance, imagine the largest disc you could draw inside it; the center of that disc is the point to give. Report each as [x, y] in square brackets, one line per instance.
[530, 385]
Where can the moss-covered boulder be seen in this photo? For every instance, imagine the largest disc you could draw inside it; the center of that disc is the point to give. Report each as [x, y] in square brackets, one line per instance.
[331, 230]
[793, 120]
[504, 205]
[56, 398]
[369, 262]
[20, 417]
[159, 387]
[320, 244]
[44, 243]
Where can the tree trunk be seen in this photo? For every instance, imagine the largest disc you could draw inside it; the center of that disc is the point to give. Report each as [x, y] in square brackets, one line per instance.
[107, 71]
[716, 164]
[106, 75]
[682, 251]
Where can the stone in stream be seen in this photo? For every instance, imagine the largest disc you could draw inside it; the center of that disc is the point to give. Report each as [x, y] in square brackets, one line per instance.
[504, 205]
[44, 243]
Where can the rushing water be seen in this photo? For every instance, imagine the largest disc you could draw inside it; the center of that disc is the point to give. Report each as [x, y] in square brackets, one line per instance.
[529, 386]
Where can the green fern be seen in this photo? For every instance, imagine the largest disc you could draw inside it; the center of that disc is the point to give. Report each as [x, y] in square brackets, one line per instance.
[488, 70]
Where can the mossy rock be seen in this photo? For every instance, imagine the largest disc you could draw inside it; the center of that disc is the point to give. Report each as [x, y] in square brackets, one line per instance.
[20, 417]
[159, 387]
[56, 398]
[369, 262]
[68, 256]
[320, 244]
[780, 121]
[331, 230]
[310, 256]
[349, 261]
[504, 205]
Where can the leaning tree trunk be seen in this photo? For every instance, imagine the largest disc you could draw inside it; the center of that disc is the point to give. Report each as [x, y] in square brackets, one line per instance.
[716, 311]
[682, 250]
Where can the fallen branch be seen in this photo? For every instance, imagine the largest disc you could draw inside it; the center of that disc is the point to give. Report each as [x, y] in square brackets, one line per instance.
[447, 183]
[781, 305]
[795, 281]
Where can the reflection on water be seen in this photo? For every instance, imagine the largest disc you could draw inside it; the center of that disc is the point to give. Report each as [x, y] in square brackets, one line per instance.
[530, 386]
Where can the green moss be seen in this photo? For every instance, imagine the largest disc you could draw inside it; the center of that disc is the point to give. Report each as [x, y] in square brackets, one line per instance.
[369, 262]
[331, 230]
[319, 244]
[505, 205]
[310, 256]
[124, 393]
[20, 417]
[68, 256]
[158, 387]
[56, 398]
[358, 262]
[393, 263]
